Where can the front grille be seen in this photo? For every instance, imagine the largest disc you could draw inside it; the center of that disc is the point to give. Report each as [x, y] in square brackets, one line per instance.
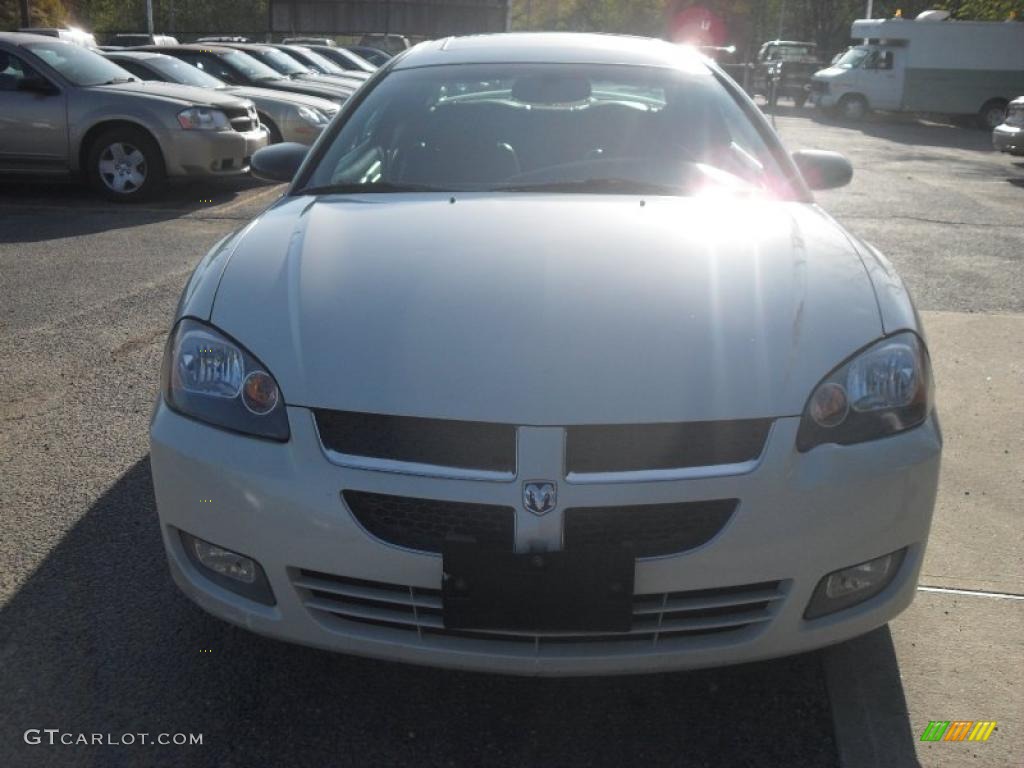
[647, 530]
[424, 524]
[413, 613]
[639, 447]
[437, 442]
[242, 119]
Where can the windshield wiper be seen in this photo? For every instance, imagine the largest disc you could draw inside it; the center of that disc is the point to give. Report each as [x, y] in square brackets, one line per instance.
[119, 80]
[377, 186]
[597, 185]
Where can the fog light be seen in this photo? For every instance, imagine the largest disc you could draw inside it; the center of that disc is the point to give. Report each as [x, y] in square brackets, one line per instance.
[848, 587]
[238, 573]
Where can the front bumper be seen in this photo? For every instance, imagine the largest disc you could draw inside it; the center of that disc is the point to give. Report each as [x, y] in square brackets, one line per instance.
[212, 153]
[1008, 138]
[800, 517]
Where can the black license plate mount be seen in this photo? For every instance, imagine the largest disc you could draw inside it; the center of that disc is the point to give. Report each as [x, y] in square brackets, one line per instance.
[539, 592]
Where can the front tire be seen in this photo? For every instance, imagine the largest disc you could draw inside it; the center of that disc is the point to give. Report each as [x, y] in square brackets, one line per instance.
[853, 108]
[992, 114]
[124, 164]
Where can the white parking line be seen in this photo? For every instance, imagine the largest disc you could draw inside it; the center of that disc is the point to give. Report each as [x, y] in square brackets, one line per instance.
[972, 593]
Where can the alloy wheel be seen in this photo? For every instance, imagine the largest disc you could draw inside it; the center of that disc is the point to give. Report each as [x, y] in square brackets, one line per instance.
[123, 168]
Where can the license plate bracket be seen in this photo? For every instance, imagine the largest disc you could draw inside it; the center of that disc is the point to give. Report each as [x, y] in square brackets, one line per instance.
[545, 591]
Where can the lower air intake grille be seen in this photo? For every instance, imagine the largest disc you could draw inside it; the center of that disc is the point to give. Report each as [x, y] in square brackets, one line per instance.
[348, 604]
[424, 524]
[647, 530]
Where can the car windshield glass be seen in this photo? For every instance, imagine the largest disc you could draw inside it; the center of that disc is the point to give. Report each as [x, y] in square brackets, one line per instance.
[354, 60]
[178, 71]
[853, 58]
[322, 63]
[282, 62]
[558, 127]
[78, 65]
[248, 66]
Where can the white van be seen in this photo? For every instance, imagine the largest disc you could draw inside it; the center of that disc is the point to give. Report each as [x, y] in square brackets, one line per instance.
[931, 64]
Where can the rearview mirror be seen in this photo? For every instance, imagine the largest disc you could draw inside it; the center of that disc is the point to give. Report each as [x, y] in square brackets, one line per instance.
[278, 162]
[823, 170]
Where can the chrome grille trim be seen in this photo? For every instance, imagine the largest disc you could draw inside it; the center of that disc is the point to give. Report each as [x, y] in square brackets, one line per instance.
[416, 613]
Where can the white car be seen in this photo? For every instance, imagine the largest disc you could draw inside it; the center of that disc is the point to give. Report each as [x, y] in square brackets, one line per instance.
[548, 364]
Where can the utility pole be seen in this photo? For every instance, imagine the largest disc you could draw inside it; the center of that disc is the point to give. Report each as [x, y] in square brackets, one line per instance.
[26, 21]
[871, 5]
[149, 16]
[782, 16]
[170, 26]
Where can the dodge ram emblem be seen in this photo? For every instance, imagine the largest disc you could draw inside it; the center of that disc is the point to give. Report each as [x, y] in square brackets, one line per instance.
[540, 496]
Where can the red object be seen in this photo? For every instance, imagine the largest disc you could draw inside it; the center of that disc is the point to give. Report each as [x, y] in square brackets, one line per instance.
[697, 25]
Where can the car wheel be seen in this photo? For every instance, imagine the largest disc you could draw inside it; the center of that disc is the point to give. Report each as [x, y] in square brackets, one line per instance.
[800, 101]
[125, 164]
[992, 114]
[853, 108]
[273, 134]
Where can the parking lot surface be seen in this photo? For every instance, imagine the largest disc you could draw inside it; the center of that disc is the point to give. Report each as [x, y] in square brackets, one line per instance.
[94, 637]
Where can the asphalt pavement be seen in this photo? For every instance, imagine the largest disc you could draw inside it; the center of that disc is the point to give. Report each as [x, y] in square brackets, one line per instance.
[94, 637]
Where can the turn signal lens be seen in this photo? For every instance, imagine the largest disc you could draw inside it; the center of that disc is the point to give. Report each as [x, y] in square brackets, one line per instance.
[259, 392]
[829, 405]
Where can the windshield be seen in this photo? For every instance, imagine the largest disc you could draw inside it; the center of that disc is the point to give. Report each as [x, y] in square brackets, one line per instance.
[281, 61]
[853, 58]
[177, 71]
[321, 62]
[78, 65]
[533, 127]
[250, 67]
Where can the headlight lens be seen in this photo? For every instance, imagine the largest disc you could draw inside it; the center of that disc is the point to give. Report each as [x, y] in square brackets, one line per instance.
[213, 379]
[202, 119]
[1015, 116]
[884, 389]
[314, 116]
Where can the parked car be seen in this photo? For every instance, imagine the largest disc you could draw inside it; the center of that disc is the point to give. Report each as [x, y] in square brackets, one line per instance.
[548, 364]
[223, 39]
[344, 58]
[287, 64]
[309, 41]
[71, 34]
[321, 64]
[375, 56]
[135, 39]
[1009, 137]
[236, 67]
[67, 110]
[390, 42]
[286, 116]
[793, 64]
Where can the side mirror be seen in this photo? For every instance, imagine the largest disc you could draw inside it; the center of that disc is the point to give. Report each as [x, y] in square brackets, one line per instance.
[37, 84]
[823, 170]
[278, 162]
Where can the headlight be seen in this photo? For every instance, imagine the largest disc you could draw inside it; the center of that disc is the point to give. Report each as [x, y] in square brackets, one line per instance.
[882, 390]
[1015, 116]
[314, 116]
[213, 379]
[202, 119]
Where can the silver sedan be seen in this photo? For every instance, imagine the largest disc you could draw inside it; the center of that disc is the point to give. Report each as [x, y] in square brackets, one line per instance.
[287, 116]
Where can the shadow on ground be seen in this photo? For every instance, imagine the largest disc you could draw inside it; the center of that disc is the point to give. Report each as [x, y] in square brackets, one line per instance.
[99, 640]
[78, 210]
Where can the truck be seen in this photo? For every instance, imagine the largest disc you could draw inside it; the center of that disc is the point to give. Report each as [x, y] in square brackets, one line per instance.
[791, 63]
[967, 70]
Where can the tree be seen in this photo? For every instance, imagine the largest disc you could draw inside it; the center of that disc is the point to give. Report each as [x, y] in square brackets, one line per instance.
[42, 13]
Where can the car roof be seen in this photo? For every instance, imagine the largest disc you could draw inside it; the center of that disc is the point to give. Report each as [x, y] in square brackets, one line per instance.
[17, 38]
[552, 47]
[207, 47]
[140, 55]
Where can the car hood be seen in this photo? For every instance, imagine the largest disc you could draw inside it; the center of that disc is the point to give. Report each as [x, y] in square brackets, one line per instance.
[548, 310]
[281, 97]
[830, 73]
[175, 93]
[335, 93]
